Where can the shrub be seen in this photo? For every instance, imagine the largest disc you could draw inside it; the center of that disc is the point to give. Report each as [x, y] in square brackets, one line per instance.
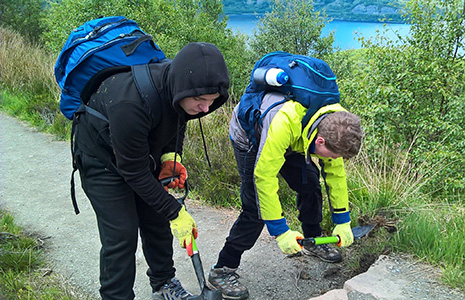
[22, 16]
[412, 91]
[293, 26]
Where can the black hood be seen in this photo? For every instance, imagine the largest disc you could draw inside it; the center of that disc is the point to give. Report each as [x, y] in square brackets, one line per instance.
[198, 69]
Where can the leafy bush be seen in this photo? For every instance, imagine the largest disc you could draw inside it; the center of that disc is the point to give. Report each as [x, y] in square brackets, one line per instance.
[22, 16]
[412, 91]
[59, 22]
[293, 26]
[218, 184]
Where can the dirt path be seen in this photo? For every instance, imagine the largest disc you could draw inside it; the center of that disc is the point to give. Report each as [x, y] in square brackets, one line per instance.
[34, 186]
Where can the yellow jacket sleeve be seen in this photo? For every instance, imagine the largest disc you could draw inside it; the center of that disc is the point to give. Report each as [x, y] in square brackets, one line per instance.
[283, 132]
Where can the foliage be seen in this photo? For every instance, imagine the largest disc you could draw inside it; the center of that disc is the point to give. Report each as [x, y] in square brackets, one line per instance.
[24, 66]
[22, 16]
[218, 184]
[434, 231]
[384, 180]
[203, 21]
[59, 22]
[293, 26]
[37, 110]
[181, 22]
[172, 23]
[411, 91]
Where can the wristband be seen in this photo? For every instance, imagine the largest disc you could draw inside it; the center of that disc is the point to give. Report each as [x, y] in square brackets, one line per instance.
[276, 227]
[341, 218]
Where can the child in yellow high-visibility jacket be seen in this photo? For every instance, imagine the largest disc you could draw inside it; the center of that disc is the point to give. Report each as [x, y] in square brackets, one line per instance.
[285, 148]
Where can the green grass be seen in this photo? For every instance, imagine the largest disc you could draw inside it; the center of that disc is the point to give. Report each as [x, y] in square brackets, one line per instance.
[41, 113]
[435, 233]
[23, 272]
[429, 228]
[28, 88]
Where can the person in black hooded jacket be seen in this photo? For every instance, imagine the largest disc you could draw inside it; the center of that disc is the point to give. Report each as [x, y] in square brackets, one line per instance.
[144, 147]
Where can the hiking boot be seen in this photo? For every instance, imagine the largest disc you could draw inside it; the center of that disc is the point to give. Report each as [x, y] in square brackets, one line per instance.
[225, 279]
[171, 290]
[323, 252]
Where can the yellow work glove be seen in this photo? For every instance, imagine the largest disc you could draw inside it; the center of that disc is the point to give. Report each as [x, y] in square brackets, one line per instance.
[288, 242]
[184, 228]
[167, 166]
[344, 232]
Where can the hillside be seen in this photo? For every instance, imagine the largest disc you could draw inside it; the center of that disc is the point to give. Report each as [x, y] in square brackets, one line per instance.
[349, 10]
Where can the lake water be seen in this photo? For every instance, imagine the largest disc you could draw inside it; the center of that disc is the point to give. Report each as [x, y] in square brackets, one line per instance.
[346, 33]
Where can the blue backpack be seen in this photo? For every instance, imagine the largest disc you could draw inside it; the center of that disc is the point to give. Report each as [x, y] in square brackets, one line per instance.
[94, 51]
[98, 49]
[309, 81]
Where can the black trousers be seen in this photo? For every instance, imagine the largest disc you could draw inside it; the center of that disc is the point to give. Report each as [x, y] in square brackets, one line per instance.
[121, 215]
[301, 177]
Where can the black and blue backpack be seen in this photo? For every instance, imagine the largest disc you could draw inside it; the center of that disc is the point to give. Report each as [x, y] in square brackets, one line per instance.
[310, 81]
[96, 50]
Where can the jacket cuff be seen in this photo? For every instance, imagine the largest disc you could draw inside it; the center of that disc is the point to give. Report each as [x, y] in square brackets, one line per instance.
[170, 157]
[172, 211]
[341, 218]
[276, 227]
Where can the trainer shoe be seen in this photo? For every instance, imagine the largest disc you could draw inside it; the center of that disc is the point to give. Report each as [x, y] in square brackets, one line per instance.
[171, 290]
[225, 279]
[323, 252]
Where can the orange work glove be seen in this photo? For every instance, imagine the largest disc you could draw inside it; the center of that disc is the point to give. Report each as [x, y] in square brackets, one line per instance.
[167, 166]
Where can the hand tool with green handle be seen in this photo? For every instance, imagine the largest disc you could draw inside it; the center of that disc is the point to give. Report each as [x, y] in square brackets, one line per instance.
[357, 231]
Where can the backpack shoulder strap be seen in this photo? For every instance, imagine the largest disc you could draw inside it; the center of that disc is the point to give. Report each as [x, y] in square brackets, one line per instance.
[148, 92]
[145, 86]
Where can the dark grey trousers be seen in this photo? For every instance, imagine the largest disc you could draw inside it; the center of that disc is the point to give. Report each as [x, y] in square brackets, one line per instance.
[301, 177]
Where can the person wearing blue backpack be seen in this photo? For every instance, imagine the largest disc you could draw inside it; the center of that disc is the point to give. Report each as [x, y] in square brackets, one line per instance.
[123, 152]
[282, 144]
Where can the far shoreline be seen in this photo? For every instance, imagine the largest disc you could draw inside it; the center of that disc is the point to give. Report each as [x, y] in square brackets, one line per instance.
[259, 15]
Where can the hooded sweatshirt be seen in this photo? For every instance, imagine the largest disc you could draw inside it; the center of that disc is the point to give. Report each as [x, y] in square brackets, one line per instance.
[133, 138]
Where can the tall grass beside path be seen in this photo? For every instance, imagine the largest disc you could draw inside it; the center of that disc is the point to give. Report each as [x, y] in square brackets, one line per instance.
[28, 87]
[430, 228]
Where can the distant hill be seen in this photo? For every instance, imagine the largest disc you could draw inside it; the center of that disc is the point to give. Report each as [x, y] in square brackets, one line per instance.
[348, 10]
